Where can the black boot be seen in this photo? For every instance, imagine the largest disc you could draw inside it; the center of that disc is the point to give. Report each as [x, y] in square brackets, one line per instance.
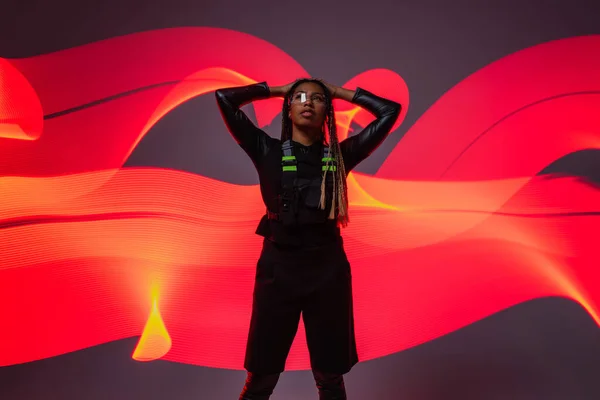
[331, 386]
[259, 386]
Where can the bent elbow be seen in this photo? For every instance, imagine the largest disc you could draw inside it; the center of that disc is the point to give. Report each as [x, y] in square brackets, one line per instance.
[396, 108]
[220, 96]
[392, 111]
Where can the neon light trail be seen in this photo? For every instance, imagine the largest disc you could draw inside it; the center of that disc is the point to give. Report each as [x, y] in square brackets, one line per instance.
[455, 226]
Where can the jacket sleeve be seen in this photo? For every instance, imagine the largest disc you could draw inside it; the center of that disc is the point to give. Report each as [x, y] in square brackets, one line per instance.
[358, 147]
[254, 141]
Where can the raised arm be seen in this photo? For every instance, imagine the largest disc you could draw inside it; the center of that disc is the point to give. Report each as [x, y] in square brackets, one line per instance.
[253, 140]
[358, 147]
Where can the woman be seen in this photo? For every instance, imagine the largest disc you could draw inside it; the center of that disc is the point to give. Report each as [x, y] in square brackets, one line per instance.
[303, 268]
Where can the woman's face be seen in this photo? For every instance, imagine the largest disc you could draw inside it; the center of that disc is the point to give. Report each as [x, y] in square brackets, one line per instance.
[308, 107]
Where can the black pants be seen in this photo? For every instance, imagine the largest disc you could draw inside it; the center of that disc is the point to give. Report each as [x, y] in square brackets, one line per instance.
[260, 387]
[314, 283]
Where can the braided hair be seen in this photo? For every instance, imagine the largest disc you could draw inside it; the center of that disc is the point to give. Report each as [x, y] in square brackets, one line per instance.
[339, 201]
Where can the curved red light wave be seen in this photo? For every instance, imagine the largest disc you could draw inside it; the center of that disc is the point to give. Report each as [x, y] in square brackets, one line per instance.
[92, 241]
[20, 108]
[509, 119]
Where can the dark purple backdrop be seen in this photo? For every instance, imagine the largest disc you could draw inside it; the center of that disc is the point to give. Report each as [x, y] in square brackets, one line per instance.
[544, 349]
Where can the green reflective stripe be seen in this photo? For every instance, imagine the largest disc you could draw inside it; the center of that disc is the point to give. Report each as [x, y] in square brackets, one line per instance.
[328, 159]
[288, 158]
[330, 168]
[289, 168]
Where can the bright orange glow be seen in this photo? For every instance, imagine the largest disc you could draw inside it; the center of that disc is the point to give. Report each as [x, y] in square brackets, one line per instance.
[12, 131]
[457, 224]
[155, 341]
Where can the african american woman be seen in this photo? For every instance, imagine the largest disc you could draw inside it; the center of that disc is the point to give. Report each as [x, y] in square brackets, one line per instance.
[303, 269]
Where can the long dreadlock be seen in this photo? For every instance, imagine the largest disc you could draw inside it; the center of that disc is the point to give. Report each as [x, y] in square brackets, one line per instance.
[340, 191]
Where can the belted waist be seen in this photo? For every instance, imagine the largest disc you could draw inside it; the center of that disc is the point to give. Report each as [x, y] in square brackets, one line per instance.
[272, 215]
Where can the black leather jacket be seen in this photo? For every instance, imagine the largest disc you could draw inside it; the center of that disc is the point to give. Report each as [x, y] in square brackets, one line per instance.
[265, 152]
